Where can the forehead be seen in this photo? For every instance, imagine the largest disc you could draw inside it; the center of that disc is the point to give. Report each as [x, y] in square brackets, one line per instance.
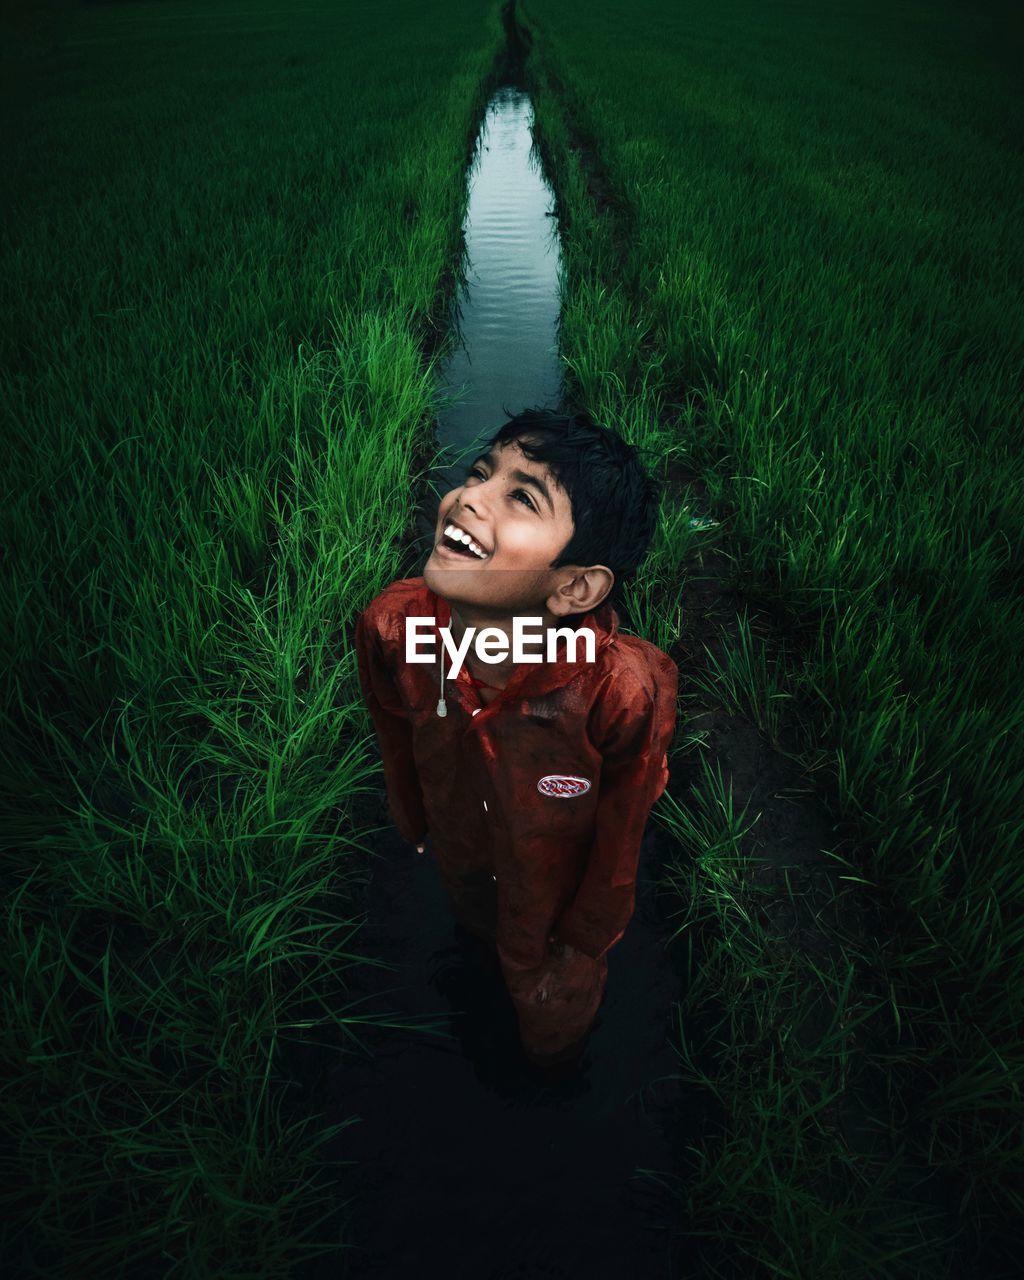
[510, 454]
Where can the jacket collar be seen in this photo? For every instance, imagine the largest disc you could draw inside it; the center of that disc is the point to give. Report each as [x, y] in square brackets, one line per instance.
[531, 678]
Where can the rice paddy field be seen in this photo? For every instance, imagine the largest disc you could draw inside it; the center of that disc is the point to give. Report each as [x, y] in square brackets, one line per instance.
[229, 233]
[794, 255]
[791, 236]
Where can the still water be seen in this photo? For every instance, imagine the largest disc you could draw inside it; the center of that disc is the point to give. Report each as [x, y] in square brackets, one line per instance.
[506, 353]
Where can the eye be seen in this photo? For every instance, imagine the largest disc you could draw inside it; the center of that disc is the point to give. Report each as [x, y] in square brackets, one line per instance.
[517, 493]
[475, 471]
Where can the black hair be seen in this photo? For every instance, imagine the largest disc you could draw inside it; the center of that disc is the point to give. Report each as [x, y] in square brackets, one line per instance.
[614, 499]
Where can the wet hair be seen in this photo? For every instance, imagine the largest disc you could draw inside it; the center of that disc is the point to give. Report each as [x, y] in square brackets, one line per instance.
[614, 499]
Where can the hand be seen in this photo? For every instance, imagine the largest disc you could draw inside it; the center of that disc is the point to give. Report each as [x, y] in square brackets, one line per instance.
[559, 954]
[564, 949]
[419, 848]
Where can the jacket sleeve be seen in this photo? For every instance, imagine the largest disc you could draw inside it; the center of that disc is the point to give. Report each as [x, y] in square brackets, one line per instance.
[636, 728]
[394, 733]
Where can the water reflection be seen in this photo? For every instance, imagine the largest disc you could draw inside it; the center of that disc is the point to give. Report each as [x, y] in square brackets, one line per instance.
[506, 357]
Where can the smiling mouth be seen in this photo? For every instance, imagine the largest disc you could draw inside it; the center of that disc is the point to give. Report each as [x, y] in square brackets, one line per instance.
[459, 542]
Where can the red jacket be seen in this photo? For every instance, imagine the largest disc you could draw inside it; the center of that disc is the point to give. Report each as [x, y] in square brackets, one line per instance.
[548, 787]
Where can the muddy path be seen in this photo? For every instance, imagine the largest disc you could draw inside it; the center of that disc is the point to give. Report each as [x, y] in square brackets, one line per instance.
[472, 1163]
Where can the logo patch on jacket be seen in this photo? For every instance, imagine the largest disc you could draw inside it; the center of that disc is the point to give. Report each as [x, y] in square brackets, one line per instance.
[563, 785]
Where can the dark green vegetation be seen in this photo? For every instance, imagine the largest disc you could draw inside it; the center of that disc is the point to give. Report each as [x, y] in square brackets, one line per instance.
[792, 239]
[794, 261]
[228, 228]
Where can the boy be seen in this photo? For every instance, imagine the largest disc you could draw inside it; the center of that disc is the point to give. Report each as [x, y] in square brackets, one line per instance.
[534, 778]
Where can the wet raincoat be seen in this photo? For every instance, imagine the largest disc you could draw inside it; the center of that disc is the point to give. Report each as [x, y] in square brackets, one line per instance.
[541, 795]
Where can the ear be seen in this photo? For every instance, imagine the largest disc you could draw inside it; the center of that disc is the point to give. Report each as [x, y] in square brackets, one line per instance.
[583, 591]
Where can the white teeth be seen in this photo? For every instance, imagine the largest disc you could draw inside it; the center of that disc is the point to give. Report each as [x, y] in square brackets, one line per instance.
[458, 535]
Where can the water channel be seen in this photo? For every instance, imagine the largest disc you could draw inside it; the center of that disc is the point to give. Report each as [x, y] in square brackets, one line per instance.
[468, 1163]
[505, 354]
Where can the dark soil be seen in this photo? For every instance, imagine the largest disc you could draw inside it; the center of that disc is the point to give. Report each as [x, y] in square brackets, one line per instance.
[469, 1161]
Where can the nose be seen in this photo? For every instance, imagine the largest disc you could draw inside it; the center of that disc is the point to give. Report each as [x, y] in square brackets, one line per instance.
[475, 497]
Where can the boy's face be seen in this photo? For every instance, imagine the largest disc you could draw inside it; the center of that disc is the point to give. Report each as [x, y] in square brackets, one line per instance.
[519, 519]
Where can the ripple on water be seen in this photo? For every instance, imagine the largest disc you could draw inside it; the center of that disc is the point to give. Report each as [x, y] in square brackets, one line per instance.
[507, 354]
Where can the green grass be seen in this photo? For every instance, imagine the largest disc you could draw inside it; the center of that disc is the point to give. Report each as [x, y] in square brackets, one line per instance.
[228, 234]
[227, 239]
[801, 275]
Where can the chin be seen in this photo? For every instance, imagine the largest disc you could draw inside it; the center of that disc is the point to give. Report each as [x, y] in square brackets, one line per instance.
[452, 582]
[431, 577]
[469, 587]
